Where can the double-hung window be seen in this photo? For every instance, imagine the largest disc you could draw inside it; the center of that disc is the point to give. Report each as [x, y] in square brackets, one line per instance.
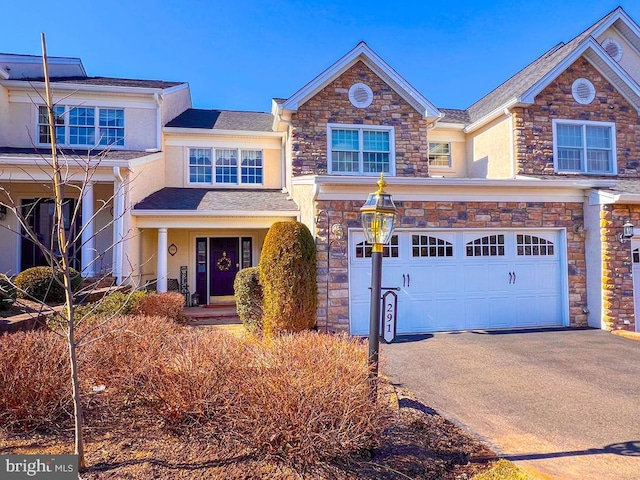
[584, 147]
[360, 150]
[83, 126]
[225, 166]
[200, 165]
[439, 154]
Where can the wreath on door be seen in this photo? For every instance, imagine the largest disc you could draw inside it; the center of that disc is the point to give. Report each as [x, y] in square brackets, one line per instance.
[224, 262]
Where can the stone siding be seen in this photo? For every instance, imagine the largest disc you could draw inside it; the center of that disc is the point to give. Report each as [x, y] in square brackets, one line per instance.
[332, 105]
[533, 133]
[617, 279]
[333, 310]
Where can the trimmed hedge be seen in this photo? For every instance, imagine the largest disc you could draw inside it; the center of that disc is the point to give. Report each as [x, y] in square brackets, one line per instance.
[249, 298]
[7, 292]
[116, 303]
[42, 284]
[288, 278]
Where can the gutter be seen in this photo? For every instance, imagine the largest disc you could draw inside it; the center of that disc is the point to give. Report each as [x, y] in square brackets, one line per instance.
[215, 213]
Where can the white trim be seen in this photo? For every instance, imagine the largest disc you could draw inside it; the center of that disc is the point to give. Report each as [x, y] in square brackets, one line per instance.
[369, 181]
[67, 128]
[589, 43]
[216, 213]
[443, 168]
[80, 87]
[362, 52]
[360, 128]
[3, 74]
[491, 115]
[584, 123]
[220, 132]
[239, 183]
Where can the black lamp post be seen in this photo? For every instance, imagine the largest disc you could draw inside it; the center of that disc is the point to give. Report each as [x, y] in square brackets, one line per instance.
[378, 217]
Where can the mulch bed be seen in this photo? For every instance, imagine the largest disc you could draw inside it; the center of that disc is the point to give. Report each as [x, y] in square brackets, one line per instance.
[419, 445]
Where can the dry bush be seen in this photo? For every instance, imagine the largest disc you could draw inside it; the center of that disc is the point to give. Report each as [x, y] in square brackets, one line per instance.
[196, 379]
[34, 379]
[122, 353]
[166, 304]
[310, 399]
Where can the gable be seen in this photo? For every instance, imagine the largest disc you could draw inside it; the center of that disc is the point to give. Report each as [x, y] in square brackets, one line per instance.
[363, 54]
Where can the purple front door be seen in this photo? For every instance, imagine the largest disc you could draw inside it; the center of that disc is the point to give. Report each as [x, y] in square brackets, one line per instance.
[224, 264]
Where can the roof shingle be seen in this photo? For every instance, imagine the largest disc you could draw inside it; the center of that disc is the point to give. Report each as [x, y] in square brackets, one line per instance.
[205, 199]
[223, 120]
[107, 82]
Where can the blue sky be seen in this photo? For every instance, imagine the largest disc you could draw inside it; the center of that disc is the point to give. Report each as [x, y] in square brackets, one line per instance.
[238, 54]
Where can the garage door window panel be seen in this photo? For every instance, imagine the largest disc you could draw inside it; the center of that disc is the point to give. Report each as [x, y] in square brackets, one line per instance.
[531, 245]
[488, 246]
[363, 249]
[428, 246]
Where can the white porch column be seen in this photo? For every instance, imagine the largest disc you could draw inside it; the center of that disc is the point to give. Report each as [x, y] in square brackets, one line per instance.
[88, 250]
[118, 225]
[162, 260]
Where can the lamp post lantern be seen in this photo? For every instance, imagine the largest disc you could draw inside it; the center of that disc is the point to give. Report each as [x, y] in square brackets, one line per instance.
[378, 217]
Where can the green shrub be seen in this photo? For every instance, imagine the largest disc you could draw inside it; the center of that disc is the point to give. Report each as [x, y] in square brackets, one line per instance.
[248, 293]
[116, 303]
[42, 284]
[288, 278]
[7, 292]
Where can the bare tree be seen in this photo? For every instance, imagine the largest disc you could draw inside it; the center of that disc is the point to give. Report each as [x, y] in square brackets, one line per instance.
[68, 172]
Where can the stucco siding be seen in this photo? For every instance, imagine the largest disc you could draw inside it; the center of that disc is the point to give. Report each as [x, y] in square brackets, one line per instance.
[457, 141]
[630, 60]
[174, 103]
[491, 150]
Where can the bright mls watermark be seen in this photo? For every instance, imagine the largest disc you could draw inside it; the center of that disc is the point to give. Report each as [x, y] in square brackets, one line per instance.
[50, 467]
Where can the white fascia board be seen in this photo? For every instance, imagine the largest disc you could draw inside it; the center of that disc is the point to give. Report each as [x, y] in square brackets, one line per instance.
[621, 15]
[491, 115]
[361, 51]
[215, 213]
[39, 161]
[218, 132]
[211, 222]
[450, 126]
[3, 74]
[175, 88]
[40, 176]
[604, 197]
[589, 43]
[621, 74]
[426, 182]
[80, 87]
[136, 162]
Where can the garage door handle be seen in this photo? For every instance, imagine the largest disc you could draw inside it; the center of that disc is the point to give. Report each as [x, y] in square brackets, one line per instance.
[510, 277]
[514, 277]
[404, 279]
[408, 280]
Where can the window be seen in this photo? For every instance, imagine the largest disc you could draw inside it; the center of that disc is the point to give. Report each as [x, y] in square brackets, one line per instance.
[226, 166]
[363, 249]
[200, 166]
[360, 150]
[439, 154]
[428, 246]
[43, 124]
[530, 245]
[83, 126]
[226, 169]
[584, 147]
[489, 246]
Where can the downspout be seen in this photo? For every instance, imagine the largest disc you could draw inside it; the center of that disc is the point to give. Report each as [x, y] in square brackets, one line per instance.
[158, 99]
[285, 149]
[512, 163]
[118, 224]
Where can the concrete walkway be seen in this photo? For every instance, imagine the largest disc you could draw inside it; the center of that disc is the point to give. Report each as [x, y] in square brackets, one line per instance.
[565, 403]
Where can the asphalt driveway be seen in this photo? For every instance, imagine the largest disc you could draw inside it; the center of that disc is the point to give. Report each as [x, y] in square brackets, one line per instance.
[563, 402]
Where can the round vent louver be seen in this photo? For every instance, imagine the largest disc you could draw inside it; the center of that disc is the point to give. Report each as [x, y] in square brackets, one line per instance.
[613, 48]
[360, 95]
[583, 91]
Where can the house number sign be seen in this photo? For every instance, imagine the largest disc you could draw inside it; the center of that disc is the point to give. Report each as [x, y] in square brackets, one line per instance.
[389, 316]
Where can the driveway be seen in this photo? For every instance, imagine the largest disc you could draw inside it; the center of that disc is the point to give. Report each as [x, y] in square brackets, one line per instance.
[565, 403]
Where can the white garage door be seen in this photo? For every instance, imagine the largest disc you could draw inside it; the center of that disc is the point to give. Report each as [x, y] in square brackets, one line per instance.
[462, 280]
